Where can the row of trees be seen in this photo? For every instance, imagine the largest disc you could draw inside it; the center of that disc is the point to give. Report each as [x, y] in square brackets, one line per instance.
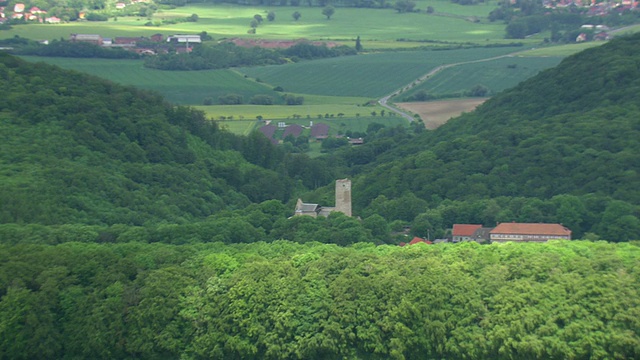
[227, 55]
[283, 300]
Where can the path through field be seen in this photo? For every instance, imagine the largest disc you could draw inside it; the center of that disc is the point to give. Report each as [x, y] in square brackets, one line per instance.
[384, 101]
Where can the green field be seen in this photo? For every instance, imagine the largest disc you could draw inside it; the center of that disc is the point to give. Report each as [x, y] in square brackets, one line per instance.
[497, 75]
[272, 112]
[241, 127]
[370, 75]
[449, 24]
[360, 78]
[180, 87]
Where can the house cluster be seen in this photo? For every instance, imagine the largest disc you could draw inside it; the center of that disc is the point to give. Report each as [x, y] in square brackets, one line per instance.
[599, 8]
[503, 232]
[600, 32]
[140, 44]
[516, 232]
[20, 12]
[318, 131]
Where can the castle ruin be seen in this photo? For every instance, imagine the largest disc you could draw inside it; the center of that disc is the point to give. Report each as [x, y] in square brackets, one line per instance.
[343, 202]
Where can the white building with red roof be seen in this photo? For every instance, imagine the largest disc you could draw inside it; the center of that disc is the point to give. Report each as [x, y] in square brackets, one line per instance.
[525, 232]
[464, 232]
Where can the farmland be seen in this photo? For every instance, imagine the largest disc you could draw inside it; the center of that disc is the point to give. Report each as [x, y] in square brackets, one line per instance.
[436, 113]
[496, 75]
[342, 87]
[181, 87]
[370, 75]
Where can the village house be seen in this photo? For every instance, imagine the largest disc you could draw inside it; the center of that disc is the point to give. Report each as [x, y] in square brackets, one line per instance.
[90, 38]
[188, 39]
[416, 240]
[523, 232]
[469, 232]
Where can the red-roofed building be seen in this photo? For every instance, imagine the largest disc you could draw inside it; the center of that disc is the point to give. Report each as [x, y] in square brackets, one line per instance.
[464, 232]
[523, 232]
[416, 240]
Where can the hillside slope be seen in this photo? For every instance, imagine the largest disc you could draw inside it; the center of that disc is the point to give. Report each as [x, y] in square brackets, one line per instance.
[77, 149]
[572, 130]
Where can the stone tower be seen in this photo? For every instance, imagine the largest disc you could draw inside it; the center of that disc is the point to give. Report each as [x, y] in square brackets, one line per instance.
[343, 196]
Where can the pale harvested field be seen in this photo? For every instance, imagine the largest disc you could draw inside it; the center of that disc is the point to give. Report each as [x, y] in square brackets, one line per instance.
[436, 113]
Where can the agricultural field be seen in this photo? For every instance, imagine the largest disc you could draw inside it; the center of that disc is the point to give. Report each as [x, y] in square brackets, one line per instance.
[561, 50]
[369, 75]
[436, 113]
[240, 127]
[179, 87]
[496, 75]
[345, 87]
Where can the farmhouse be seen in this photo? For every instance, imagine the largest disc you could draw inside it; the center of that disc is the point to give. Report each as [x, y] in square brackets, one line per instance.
[521, 232]
[189, 39]
[90, 38]
[416, 240]
[469, 232]
[343, 202]
[128, 40]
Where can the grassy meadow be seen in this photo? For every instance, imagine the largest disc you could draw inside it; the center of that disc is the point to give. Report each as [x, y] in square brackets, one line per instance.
[450, 23]
[247, 112]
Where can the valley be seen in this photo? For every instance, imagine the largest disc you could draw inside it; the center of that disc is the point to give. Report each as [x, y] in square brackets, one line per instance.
[210, 201]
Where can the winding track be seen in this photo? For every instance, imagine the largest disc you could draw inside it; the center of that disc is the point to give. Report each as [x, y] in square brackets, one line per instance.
[385, 99]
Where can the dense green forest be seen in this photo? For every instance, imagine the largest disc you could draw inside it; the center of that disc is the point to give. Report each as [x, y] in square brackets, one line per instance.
[559, 300]
[133, 228]
[77, 149]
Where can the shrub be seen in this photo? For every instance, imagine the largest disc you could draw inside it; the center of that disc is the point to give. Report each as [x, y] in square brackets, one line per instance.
[231, 99]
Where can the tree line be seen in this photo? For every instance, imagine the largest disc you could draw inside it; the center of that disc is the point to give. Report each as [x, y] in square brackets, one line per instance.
[228, 55]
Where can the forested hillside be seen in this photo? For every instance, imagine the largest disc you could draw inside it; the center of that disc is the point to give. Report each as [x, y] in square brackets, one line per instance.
[563, 147]
[560, 300]
[77, 149]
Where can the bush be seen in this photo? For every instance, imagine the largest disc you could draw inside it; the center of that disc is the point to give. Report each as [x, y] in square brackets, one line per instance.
[231, 99]
[96, 17]
[292, 99]
[261, 100]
